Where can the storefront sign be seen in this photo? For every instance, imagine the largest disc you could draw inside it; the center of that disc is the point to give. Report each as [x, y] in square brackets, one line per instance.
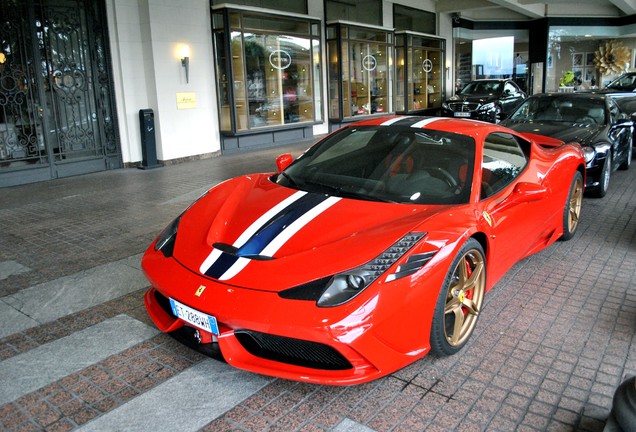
[427, 65]
[186, 100]
[280, 59]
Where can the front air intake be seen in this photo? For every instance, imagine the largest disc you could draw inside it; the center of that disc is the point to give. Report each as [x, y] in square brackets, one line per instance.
[292, 351]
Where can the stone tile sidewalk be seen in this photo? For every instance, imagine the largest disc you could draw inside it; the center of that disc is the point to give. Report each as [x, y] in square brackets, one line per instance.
[556, 336]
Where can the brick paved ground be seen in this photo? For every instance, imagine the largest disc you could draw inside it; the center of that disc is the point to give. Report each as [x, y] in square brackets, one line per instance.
[554, 340]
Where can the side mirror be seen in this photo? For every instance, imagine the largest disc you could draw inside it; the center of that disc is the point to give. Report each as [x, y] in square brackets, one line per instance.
[283, 161]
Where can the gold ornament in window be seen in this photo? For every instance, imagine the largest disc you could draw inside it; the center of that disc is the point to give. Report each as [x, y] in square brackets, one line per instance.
[612, 58]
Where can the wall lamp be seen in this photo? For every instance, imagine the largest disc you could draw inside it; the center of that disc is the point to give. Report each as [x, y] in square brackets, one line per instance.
[184, 52]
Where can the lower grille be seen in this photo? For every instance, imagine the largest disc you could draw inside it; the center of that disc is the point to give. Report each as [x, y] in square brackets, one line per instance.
[292, 351]
[463, 107]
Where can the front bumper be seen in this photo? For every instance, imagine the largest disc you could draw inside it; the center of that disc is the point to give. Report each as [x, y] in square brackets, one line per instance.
[261, 332]
[487, 116]
[593, 173]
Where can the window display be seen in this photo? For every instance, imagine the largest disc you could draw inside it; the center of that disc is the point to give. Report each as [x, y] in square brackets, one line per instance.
[365, 88]
[275, 72]
[420, 73]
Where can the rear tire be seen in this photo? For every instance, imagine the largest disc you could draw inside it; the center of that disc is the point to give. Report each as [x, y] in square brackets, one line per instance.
[460, 299]
[572, 209]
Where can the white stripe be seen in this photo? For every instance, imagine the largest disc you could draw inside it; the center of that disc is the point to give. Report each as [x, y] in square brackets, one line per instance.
[292, 229]
[252, 229]
[211, 259]
[258, 224]
[45, 364]
[421, 124]
[210, 387]
[283, 237]
[394, 120]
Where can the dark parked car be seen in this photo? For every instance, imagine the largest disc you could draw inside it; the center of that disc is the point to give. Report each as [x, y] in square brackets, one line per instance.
[627, 104]
[624, 83]
[594, 120]
[484, 99]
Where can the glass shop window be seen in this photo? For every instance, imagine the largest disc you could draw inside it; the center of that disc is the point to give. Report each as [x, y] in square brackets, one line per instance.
[274, 68]
[359, 82]
[497, 54]
[419, 72]
[578, 62]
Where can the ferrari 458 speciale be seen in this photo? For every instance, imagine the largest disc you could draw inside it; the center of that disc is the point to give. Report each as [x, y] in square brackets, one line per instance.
[371, 249]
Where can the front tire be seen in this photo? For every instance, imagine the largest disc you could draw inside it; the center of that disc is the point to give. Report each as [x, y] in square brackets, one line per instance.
[572, 210]
[460, 299]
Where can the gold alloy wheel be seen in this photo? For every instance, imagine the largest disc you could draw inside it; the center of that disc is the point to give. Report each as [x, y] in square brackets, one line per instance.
[464, 297]
[576, 200]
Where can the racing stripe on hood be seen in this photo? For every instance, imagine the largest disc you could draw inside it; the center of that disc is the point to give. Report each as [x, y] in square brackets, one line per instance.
[394, 120]
[412, 121]
[268, 234]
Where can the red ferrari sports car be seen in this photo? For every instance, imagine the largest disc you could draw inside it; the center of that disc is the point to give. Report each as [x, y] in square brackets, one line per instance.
[371, 249]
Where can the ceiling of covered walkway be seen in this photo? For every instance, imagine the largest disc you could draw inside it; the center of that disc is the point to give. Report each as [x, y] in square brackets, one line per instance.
[533, 9]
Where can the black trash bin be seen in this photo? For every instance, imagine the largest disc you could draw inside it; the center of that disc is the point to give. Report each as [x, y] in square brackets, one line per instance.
[148, 143]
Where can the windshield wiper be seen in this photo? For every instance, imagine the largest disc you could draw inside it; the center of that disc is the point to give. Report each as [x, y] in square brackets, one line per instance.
[289, 178]
[335, 189]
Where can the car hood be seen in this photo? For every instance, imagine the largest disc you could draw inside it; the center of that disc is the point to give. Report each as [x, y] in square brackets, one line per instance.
[252, 233]
[567, 132]
[482, 99]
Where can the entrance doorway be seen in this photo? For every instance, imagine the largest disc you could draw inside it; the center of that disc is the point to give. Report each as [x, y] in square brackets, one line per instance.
[57, 114]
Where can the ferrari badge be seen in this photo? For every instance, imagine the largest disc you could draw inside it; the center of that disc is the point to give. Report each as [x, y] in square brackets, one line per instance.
[200, 291]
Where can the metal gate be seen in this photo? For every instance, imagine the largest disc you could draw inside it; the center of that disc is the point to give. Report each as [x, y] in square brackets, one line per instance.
[57, 114]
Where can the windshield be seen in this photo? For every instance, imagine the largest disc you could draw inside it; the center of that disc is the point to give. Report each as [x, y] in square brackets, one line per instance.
[482, 88]
[387, 163]
[623, 83]
[588, 111]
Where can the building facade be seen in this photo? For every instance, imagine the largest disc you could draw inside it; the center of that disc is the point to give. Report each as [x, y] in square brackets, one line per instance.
[221, 78]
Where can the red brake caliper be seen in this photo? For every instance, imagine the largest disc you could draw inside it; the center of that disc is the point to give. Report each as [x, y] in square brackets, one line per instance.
[469, 294]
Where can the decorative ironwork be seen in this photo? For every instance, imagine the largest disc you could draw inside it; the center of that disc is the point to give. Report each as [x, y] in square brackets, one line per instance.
[56, 94]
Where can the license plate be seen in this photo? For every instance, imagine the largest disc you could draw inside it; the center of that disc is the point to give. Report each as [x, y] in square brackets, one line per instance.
[462, 114]
[194, 317]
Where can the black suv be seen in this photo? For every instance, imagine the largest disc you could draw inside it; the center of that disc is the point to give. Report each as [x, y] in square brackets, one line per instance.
[484, 99]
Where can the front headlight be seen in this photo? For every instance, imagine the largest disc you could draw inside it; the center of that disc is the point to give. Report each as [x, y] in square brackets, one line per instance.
[589, 153]
[167, 238]
[342, 287]
[487, 107]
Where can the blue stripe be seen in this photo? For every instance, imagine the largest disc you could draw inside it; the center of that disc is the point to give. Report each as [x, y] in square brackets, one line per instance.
[266, 233]
[278, 223]
[221, 265]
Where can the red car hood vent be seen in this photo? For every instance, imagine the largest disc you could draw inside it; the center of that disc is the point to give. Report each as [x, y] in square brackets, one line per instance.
[256, 234]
